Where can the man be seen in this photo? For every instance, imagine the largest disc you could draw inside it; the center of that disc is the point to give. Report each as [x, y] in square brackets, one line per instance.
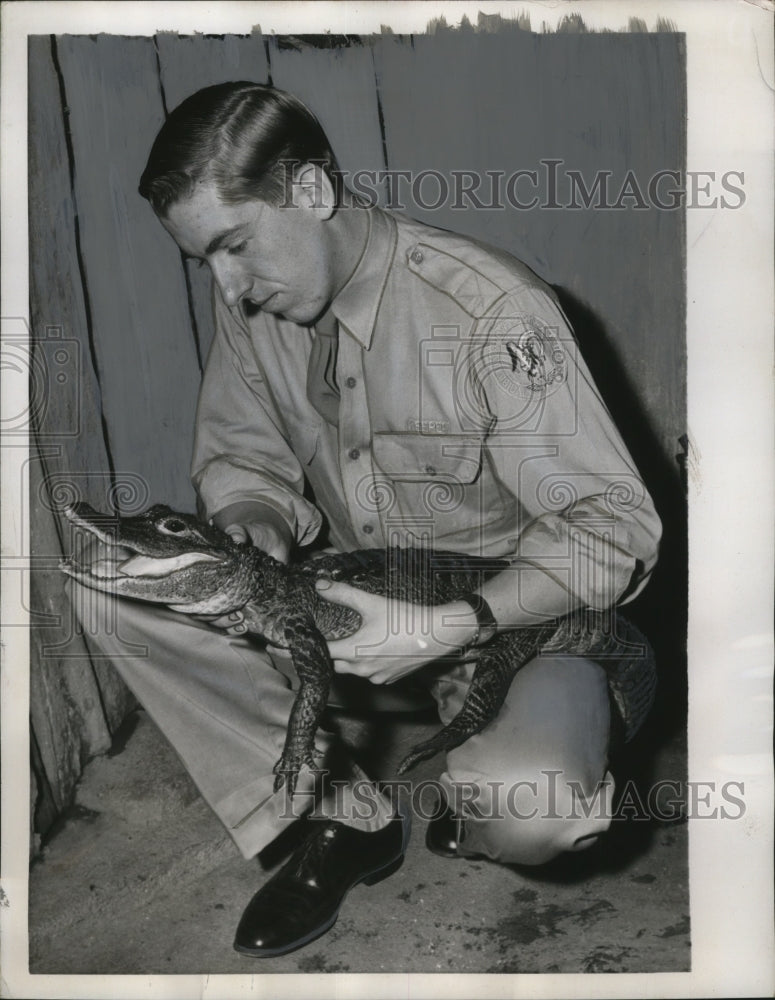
[402, 385]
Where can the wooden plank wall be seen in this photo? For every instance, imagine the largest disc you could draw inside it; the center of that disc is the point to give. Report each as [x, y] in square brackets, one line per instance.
[136, 320]
[515, 99]
[74, 702]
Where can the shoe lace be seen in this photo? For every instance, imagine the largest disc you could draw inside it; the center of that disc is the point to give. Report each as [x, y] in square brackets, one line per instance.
[312, 852]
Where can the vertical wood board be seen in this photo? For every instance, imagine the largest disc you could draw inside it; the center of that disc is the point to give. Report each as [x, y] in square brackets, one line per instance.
[65, 702]
[72, 713]
[147, 355]
[339, 86]
[188, 63]
[65, 393]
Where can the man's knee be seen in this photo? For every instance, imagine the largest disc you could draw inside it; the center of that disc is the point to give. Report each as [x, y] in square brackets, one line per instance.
[531, 818]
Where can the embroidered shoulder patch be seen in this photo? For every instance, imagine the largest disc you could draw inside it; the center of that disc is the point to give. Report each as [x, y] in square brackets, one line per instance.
[532, 358]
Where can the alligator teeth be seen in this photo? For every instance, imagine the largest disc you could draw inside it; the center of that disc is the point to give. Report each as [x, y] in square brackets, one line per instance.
[104, 568]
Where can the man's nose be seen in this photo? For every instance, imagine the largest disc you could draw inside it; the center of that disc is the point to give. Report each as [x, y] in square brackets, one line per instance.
[231, 281]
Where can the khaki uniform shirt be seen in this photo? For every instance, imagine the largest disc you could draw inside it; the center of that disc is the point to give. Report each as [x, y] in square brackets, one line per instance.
[468, 420]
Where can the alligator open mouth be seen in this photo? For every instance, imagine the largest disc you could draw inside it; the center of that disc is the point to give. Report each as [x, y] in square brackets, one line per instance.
[109, 559]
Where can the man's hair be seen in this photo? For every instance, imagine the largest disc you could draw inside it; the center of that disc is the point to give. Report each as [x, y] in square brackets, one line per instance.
[244, 137]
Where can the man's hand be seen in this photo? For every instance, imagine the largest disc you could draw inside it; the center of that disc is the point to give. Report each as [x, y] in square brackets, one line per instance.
[395, 638]
[256, 523]
[233, 623]
[262, 536]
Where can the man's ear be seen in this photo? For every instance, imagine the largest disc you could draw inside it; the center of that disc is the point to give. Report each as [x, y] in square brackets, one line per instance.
[312, 189]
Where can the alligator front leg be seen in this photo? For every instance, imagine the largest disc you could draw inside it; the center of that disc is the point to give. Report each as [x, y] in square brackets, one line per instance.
[314, 668]
[498, 663]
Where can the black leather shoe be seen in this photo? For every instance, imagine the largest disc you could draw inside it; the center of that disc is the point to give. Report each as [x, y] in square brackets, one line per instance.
[302, 900]
[443, 836]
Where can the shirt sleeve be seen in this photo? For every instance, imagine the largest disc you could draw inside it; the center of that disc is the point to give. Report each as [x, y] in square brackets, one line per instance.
[241, 448]
[587, 517]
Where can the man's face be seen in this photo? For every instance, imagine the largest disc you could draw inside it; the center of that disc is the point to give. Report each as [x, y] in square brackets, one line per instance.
[279, 258]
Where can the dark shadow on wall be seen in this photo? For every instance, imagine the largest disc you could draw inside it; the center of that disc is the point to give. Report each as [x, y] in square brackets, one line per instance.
[661, 609]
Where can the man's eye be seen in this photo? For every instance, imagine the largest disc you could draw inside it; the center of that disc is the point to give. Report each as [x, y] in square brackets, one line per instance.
[238, 247]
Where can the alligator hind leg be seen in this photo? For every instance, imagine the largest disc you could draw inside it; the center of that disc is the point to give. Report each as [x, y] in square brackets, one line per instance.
[498, 663]
[314, 669]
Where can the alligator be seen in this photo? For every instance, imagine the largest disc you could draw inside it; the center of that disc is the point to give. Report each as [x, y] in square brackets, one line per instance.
[174, 559]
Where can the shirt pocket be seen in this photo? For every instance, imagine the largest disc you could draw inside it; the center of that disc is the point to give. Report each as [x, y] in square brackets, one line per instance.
[444, 482]
[417, 458]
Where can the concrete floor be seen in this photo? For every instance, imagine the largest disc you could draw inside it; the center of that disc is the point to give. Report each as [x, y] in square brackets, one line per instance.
[140, 878]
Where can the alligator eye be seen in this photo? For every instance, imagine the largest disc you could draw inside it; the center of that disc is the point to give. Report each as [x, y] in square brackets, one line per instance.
[172, 526]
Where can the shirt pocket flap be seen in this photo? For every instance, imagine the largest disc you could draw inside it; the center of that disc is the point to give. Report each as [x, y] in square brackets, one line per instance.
[419, 457]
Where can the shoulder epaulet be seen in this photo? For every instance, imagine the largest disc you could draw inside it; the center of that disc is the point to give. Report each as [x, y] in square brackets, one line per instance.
[473, 290]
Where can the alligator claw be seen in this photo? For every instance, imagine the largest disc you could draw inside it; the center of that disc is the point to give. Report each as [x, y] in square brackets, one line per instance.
[286, 772]
[287, 768]
[286, 779]
[423, 751]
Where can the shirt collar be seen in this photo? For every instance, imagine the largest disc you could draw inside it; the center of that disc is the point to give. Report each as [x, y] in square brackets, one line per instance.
[357, 304]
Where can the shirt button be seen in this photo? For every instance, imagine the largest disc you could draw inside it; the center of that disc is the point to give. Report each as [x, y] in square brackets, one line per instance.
[430, 470]
[367, 529]
[350, 382]
[418, 256]
[354, 454]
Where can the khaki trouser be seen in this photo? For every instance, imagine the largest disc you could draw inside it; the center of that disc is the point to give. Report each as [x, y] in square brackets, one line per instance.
[534, 782]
